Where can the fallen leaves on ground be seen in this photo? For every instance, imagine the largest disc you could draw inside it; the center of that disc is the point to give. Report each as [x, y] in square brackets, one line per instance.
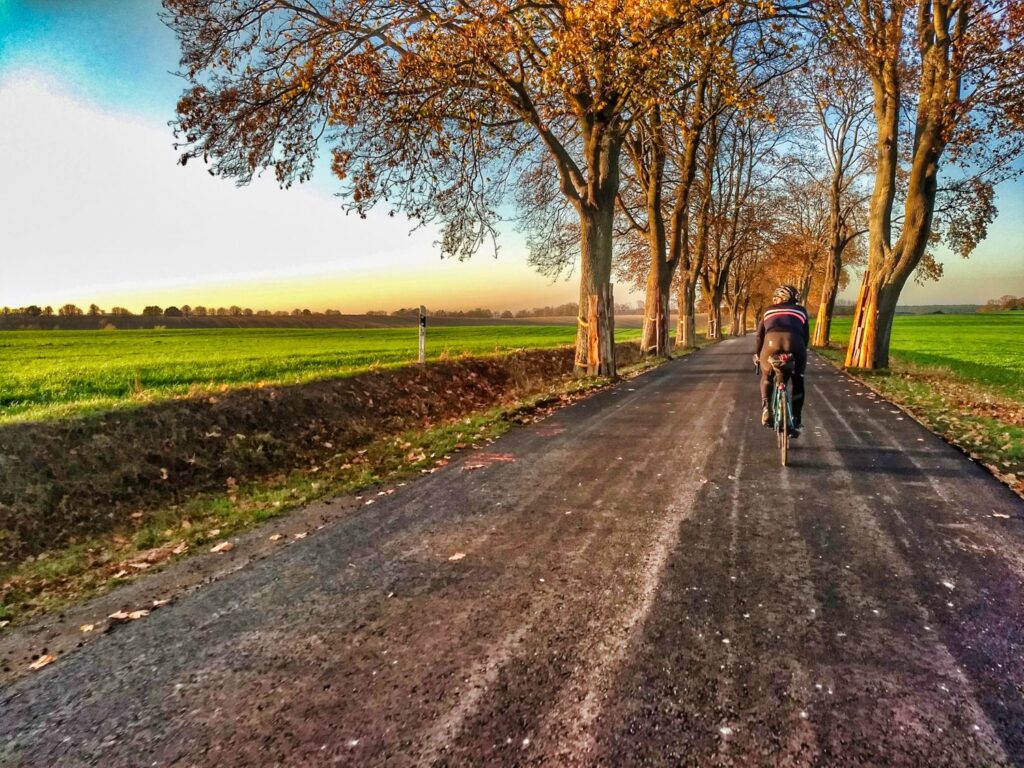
[224, 546]
[276, 536]
[457, 556]
[128, 615]
[87, 627]
[42, 661]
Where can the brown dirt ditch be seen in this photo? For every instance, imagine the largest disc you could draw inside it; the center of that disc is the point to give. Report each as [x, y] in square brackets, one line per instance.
[62, 481]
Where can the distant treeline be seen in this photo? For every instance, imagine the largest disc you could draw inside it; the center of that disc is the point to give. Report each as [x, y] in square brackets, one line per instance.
[185, 310]
[1003, 304]
[24, 317]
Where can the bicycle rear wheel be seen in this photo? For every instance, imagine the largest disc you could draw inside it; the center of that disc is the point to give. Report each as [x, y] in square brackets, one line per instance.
[783, 428]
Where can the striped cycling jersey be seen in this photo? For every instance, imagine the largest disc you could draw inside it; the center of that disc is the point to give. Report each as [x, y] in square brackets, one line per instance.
[785, 317]
[788, 318]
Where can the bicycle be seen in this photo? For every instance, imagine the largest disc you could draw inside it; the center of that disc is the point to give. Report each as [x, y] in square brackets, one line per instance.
[781, 406]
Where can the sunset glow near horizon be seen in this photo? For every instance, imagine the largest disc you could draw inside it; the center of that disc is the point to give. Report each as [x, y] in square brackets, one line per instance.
[95, 208]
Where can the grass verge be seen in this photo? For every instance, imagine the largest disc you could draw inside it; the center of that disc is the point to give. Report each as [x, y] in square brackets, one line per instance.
[979, 418]
[64, 575]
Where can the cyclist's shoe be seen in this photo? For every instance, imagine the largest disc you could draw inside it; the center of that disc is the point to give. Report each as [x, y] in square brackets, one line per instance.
[766, 416]
[794, 431]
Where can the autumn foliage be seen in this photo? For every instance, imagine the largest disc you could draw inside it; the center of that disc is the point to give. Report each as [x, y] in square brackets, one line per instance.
[711, 147]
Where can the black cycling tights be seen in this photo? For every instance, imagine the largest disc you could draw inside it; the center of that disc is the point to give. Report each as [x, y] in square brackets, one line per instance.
[783, 341]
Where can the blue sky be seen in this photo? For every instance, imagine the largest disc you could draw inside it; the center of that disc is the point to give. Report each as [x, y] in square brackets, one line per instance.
[96, 208]
[112, 52]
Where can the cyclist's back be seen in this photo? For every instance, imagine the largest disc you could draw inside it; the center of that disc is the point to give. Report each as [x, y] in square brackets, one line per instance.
[783, 328]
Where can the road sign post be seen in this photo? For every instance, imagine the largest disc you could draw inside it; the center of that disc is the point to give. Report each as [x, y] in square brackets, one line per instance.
[423, 334]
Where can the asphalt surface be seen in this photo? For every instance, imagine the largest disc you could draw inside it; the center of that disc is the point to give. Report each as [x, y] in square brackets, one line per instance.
[632, 581]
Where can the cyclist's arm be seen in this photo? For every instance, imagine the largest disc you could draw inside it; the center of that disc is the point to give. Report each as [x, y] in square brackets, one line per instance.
[807, 330]
[760, 337]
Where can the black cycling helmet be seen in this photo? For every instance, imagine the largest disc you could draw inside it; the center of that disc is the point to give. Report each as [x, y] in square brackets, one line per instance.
[785, 294]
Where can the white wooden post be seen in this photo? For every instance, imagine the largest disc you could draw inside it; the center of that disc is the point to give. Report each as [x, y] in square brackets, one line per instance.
[423, 334]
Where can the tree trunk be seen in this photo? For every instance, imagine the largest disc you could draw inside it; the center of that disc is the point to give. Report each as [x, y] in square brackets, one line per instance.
[735, 318]
[686, 332]
[829, 291]
[715, 314]
[595, 347]
[805, 285]
[655, 336]
[595, 205]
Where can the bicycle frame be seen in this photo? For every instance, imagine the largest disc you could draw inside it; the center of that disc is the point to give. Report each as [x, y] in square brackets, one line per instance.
[782, 412]
[780, 394]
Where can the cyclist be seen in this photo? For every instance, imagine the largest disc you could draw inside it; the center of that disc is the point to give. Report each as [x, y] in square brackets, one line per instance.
[783, 328]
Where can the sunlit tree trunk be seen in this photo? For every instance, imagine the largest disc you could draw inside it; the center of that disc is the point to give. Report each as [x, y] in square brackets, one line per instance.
[595, 336]
[693, 252]
[829, 292]
[735, 317]
[686, 298]
[655, 336]
[833, 264]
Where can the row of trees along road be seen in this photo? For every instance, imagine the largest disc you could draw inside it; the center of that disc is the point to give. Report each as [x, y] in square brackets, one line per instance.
[690, 145]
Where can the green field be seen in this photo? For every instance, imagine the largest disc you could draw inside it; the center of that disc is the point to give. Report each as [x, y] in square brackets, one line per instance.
[47, 374]
[984, 347]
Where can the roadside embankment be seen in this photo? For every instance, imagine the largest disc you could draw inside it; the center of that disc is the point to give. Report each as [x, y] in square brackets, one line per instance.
[131, 488]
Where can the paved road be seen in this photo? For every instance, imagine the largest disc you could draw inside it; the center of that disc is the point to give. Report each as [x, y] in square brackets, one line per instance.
[642, 584]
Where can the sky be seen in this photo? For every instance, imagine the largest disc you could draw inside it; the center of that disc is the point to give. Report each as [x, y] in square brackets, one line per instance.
[95, 208]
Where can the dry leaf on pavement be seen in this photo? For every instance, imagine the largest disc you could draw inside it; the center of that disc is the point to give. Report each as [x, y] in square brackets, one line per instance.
[87, 627]
[224, 546]
[128, 615]
[457, 556]
[42, 661]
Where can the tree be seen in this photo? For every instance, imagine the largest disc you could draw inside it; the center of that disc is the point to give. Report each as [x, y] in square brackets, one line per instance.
[94, 311]
[948, 109]
[69, 310]
[120, 311]
[199, 310]
[744, 165]
[837, 96]
[47, 311]
[186, 310]
[434, 106]
[173, 312]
